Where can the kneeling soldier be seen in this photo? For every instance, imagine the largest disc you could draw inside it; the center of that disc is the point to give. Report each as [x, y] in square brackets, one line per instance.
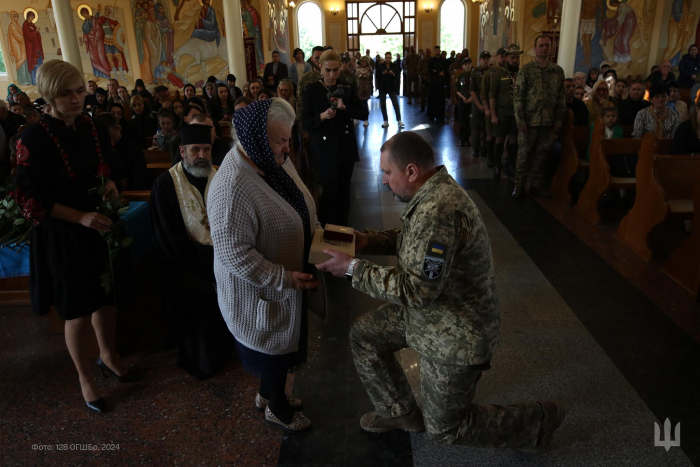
[442, 302]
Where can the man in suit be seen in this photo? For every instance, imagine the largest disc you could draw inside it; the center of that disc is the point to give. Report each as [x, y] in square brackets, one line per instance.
[279, 70]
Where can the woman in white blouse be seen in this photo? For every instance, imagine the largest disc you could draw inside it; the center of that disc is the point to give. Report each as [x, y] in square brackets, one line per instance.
[262, 219]
[657, 118]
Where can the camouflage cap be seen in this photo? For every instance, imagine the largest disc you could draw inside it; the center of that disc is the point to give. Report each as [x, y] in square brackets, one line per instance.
[513, 50]
[501, 51]
[485, 54]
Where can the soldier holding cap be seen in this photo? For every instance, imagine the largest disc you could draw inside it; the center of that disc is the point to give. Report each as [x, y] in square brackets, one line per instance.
[485, 88]
[442, 302]
[539, 110]
[478, 107]
[502, 113]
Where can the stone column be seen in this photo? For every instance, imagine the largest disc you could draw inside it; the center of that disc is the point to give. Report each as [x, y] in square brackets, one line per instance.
[234, 39]
[67, 37]
[570, 16]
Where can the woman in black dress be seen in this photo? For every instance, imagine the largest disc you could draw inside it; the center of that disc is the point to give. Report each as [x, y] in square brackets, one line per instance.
[221, 105]
[333, 150]
[59, 164]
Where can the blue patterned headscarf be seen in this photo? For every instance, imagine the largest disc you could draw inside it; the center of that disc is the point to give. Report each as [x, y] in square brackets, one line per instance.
[250, 123]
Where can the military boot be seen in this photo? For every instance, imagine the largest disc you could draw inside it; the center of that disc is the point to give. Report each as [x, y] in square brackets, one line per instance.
[375, 423]
[553, 415]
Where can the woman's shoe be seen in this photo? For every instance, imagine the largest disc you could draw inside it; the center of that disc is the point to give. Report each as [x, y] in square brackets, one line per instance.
[299, 422]
[130, 377]
[261, 403]
[98, 405]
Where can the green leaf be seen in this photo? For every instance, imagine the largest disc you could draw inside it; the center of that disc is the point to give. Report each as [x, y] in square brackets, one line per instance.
[19, 221]
[123, 210]
[126, 243]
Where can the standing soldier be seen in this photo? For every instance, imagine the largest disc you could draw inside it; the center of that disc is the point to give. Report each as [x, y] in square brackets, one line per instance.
[478, 107]
[502, 113]
[442, 302]
[424, 78]
[411, 82]
[484, 96]
[539, 110]
[464, 100]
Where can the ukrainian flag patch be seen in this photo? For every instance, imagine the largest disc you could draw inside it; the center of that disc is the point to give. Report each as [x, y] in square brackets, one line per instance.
[437, 248]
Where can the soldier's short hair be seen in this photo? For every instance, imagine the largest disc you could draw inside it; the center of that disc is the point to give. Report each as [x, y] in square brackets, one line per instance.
[542, 36]
[408, 147]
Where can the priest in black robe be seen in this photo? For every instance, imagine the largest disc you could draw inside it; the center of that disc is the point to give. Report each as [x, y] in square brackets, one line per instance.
[436, 90]
[180, 231]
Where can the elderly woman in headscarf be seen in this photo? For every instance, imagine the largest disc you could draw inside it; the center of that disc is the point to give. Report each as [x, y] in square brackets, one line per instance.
[598, 100]
[262, 220]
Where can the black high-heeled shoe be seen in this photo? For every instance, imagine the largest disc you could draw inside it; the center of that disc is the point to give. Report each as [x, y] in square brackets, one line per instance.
[130, 377]
[98, 405]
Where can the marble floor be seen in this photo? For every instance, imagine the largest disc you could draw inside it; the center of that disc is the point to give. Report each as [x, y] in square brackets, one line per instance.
[583, 322]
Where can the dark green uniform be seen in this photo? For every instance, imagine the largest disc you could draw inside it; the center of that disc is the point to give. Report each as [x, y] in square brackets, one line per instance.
[502, 86]
[539, 105]
[442, 302]
[464, 109]
[424, 80]
[475, 82]
[484, 97]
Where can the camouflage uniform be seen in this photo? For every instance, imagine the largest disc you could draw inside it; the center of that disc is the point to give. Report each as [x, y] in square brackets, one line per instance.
[502, 85]
[308, 78]
[539, 104]
[424, 80]
[442, 302]
[475, 82]
[411, 62]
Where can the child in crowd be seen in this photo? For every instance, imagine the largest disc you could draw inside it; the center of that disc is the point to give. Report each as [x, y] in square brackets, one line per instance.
[364, 82]
[15, 108]
[32, 115]
[612, 129]
[166, 122]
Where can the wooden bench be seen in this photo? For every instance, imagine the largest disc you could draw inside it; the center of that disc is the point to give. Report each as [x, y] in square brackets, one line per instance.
[683, 265]
[664, 189]
[599, 178]
[156, 156]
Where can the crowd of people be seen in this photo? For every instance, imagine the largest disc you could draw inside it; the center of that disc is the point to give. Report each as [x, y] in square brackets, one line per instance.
[233, 221]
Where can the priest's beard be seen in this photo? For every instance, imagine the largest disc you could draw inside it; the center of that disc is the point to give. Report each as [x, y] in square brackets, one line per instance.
[200, 168]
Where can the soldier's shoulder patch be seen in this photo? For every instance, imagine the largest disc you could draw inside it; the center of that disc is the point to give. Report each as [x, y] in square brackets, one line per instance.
[434, 260]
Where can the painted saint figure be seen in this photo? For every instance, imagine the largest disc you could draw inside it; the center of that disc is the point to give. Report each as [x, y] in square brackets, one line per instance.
[206, 27]
[18, 53]
[32, 46]
[167, 34]
[94, 39]
[154, 44]
[627, 15]
[251, 28]
[587, 27]
[142, 50]
[114, 50]
[680, 29]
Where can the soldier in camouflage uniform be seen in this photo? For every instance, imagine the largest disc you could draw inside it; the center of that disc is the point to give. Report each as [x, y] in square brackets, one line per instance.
[442, 302]
[424, 78]
[539, 110]
[502, 113]
[411, 63]
[308, 78]
[484, 96]
[478, 107]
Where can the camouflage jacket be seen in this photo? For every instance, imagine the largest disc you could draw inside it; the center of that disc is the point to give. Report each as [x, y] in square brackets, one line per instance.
[308, 78]
[502, 83]
[444, 277]
[411, 63]
[423, 70]
[486, 84]
[475, 81]
[539, 95]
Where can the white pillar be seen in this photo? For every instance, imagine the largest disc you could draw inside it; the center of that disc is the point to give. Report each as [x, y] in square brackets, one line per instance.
[655, 33]
[570, 17]
[67, 37]
[234, 39]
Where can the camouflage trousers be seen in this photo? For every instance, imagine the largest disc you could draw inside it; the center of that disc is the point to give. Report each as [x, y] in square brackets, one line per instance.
[533, 148]
[448, 390]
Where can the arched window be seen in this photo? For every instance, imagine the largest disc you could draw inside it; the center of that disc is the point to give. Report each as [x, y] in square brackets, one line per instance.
[452, 21]
[310, 27]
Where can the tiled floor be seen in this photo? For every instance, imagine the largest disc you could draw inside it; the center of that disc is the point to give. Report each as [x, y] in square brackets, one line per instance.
[583, 322]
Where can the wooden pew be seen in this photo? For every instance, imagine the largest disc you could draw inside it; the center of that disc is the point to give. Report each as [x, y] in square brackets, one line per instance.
[574, 146]
[148, 142]
[683, 265]
[599, 179]
[225, 129]
[156, 156]
[664, 189]
[155, 169]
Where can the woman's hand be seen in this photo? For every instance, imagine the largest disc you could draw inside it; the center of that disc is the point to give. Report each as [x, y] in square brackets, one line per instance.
[111, 192]
[328, 114]
[302, 281]
[339, 103]
[95, 220]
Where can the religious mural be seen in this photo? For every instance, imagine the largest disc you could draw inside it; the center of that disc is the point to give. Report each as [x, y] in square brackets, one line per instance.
[618, 32]
[680, 29]
[496, 25]
[26, 51]
[279, 28]
[252, 27]
[180, 41]
[104, 40]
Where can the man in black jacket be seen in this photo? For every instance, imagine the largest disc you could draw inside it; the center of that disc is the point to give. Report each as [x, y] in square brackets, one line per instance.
[276, 68]
[129, 154]
[576, 106]
[389, 82]
[628, 108]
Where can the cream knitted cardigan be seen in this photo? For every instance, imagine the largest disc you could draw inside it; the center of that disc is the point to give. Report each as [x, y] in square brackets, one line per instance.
[258, 241]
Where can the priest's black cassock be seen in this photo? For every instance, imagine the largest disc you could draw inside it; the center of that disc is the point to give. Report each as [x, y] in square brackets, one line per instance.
[189, 284]
[436, 89]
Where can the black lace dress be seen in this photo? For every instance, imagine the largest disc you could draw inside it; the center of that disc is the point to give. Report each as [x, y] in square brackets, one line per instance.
[57, 164]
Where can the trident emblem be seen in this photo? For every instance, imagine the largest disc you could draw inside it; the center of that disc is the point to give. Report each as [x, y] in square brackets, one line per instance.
[667, 443]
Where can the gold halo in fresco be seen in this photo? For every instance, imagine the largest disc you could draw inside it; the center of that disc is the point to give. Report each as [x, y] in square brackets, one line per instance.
[80, 8]
[201, 3]
[611, 7]
[36, 15]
